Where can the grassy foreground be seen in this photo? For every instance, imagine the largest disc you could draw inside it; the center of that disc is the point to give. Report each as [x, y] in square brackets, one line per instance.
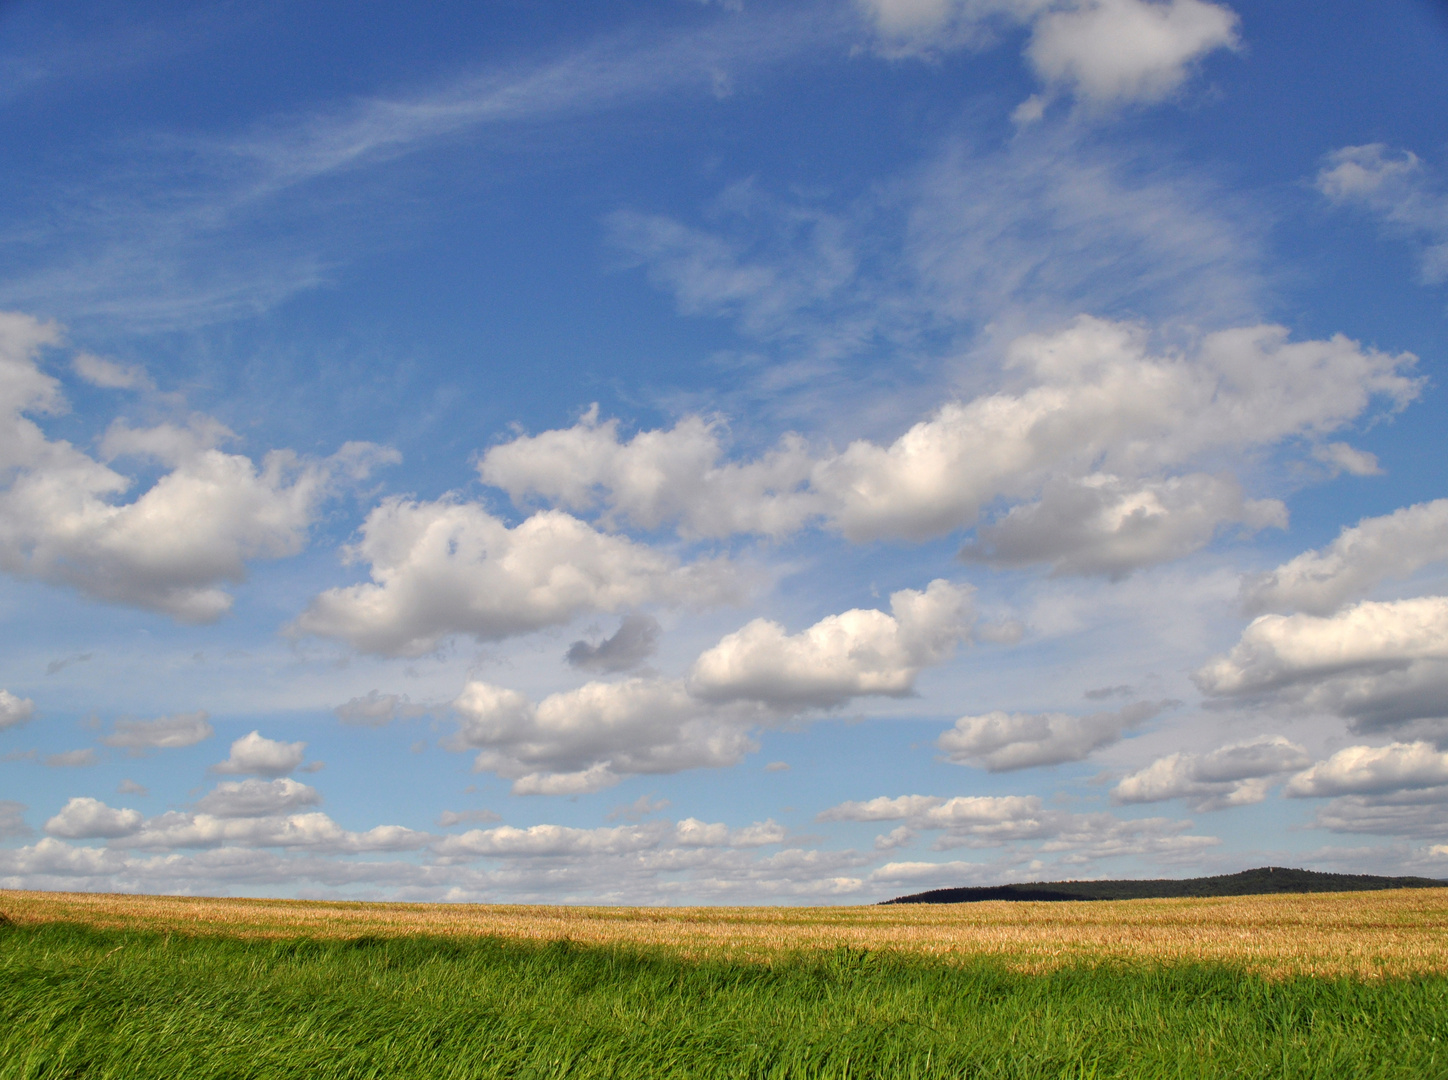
[179, 998]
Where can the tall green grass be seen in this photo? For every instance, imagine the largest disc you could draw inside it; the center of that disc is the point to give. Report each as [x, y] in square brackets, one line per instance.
[76, 1002]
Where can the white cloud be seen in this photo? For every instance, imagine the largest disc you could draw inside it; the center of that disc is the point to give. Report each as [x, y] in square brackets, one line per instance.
[445, 567]
[71, 759]
[1377, 548]
[858, 652]
[1002, 741]
[1372, 770]
[1115, 51]
[587, 739]
[14, 711]
[551, 841]
[109, 375]
[691, 832]
[1380, 665]
[374, 709]
[631, 644]
[83, 818]
[1348, 459]
[448, 818]
[172, 547]
[256, 754]
[1096, 415]
[1104, 51]
[314, 830]
[165, 732]
[1397, 188]
[990, 821]
[657, 477]
[1100, 524]
[1235, 775]
[257, 798]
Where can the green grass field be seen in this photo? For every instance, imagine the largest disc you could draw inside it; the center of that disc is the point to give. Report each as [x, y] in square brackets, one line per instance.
[77, 1001]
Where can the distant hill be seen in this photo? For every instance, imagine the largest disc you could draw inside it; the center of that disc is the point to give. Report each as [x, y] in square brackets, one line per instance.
[1267, 879]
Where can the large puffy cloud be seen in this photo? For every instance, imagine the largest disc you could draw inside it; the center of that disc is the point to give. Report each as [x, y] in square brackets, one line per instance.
[1235, 775]
[586, 739]
[313, 830]
[1381, 665]
[165, 732]
[1396, 790]
[658, 477]
[1373, 770]
[1003, 741]
[258, 755]
[446, 567]
[1105, 51]
[989, 821]
[1101, 524]
[172, 547]
[1319, 582]
[1096, 420]
[1396, 187]
[1110, 51]
[83, 818]
[14, 711]
[858, 652]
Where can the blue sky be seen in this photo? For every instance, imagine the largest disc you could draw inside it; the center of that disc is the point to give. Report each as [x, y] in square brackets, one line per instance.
[720, 452]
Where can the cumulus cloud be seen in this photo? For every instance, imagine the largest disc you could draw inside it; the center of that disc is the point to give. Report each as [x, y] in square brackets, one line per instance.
[14, 711]
[1375, 549]
[446, 567]
[990, 821]
[1235, 775]
[1101, 524]
[261, 756]
[1372, 770]
[631, 644]
[375, 709]
[171, 548]
[165, 732]
[1093, 438]
[1117, 51]
[85, 818]
[858, 652]
[658, 477]
[1104, 51]
[559, 841]
[312, 831]
[1396, 187]
[1003, 741]
[257, 798]
[1380, 665]
[588, 738]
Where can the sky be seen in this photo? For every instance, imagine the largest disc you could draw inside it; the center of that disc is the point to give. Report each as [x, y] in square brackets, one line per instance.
[720, 453]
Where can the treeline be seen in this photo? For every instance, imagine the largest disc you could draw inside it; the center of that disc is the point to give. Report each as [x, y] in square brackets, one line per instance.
[1265, 880]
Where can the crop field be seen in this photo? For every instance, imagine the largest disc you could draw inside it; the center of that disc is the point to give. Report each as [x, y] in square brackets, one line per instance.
[1324, 985]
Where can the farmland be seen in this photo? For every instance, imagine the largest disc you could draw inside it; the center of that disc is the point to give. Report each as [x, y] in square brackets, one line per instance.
[1324, 985]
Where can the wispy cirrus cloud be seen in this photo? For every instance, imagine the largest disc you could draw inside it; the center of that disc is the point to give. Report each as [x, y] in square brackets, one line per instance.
[191, 228]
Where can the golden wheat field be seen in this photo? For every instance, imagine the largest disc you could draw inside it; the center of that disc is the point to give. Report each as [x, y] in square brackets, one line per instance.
[1398, 932]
